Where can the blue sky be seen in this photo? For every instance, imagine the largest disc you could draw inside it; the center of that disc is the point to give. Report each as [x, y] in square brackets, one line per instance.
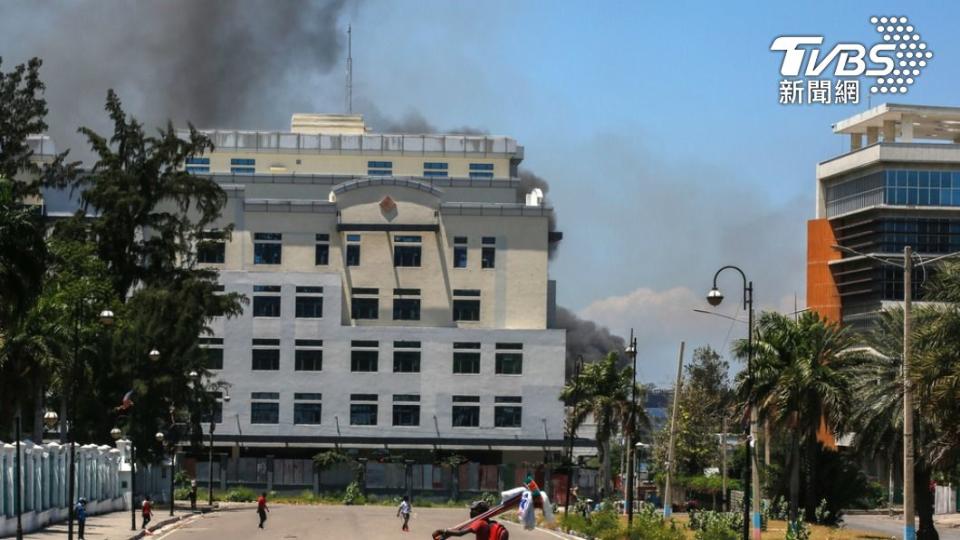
[656, 124]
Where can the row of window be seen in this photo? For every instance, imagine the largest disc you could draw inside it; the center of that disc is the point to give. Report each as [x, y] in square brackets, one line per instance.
[894, 187]
[431, 169]
[364, 409]
[268, 249]
[364, 304]
[365, 356]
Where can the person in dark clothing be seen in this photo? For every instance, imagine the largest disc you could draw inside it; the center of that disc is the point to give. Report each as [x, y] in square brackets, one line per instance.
[80, 511]
[262, 508]
[193, 495]
[484, 529]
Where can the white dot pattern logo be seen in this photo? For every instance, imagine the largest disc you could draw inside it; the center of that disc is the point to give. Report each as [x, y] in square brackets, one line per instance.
[909, 46]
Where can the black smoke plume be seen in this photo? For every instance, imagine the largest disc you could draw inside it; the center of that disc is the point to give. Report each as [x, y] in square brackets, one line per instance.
[242, 64]
[587, 339]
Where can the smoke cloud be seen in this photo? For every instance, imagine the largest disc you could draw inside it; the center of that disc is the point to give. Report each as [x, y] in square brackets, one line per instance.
[239, 64]
[586, 338]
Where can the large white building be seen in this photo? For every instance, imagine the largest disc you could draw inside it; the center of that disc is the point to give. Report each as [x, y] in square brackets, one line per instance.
[399, 293]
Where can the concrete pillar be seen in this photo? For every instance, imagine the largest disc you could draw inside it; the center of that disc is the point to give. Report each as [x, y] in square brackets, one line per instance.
[906, 129]
[873, 135]
[223, 472]
[889, 131]
[856, 141]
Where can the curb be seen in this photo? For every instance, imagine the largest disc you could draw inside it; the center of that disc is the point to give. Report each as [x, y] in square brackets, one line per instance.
[170, 520]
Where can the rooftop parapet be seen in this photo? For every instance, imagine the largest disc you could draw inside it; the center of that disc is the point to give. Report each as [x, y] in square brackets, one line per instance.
[901, 123]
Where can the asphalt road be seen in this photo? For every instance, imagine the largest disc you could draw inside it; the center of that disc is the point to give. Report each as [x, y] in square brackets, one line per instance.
[891, 527]
[290, 522]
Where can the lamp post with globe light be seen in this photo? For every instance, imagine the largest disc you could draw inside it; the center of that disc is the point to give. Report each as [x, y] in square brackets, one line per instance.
[116, 434]
[751, 477]
[106, 319]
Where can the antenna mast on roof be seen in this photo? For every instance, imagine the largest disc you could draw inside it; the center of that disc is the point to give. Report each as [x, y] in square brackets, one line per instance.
[349, 92]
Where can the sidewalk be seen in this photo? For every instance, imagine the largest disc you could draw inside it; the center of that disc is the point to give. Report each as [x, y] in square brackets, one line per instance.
[114, 526]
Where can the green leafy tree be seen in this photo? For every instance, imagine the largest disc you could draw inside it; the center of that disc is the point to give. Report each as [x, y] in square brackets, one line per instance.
[603, 392]
[149, 214]
[801, 381]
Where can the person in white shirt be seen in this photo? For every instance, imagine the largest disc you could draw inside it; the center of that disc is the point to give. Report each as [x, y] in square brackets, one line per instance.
[404, 511]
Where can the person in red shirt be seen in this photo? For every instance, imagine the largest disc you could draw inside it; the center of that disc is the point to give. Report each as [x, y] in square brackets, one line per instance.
[484, 529]
[146, 511]
[262, 508]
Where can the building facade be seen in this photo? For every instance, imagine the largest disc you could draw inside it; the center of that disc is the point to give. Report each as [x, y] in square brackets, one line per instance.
[898, 185]
[399, 293]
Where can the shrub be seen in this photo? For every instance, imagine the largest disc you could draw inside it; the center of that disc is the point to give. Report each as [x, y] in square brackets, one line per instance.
[181, 493]
[798, 530]
[709, 525]
[649, 525]
[353, 495]
[241, 494]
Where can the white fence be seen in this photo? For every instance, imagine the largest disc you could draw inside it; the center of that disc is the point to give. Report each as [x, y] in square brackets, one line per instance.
[102, 477]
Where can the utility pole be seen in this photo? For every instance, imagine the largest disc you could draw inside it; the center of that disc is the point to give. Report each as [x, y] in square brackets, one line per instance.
[667, 506]
[909, 526]
[349, 89]
[723, 462]
[631, 462]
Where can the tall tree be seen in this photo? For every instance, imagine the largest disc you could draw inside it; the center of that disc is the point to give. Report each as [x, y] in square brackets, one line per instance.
[603, 393]
[144, 215]
[800, 378]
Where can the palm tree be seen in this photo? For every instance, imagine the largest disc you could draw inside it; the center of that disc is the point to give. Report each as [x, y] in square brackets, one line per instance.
[603, 391]
[800, 381]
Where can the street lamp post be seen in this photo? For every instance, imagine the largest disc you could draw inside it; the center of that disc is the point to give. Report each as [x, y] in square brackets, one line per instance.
[631, 350]
[751, 476]
[198, 384]
[117, 434]
[577, 366]
[170, 446]
[106, 318]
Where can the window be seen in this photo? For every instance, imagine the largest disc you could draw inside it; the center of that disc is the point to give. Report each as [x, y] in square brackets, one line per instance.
[264, 412]
[321, 256]
[217, 409]
[211, 248]
[466, 305]
[509, 359]
[198, 165]
[363, 414]
[309, 307]
[267, 248]
[406, 250]
[508, 416]
[243, 165]
[406, 357]
[406, 304]
[213, 347]
[307, 409]
[481, 170]
[353, 250]
[464, 415]
[433, 169]
[214, 358]
[308, 360]
[459, 251]
[364, 356]
[466, 358]
[406, 410]
[488, 254]
[266, 306]
[365, 303]
[266, 359]
[379, 168]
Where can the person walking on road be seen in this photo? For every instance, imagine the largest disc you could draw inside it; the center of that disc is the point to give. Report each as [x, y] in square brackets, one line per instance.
[193, 495]
[81, 512]
[146, 511]
[483, 529]
[404, 511]
[262, 508]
